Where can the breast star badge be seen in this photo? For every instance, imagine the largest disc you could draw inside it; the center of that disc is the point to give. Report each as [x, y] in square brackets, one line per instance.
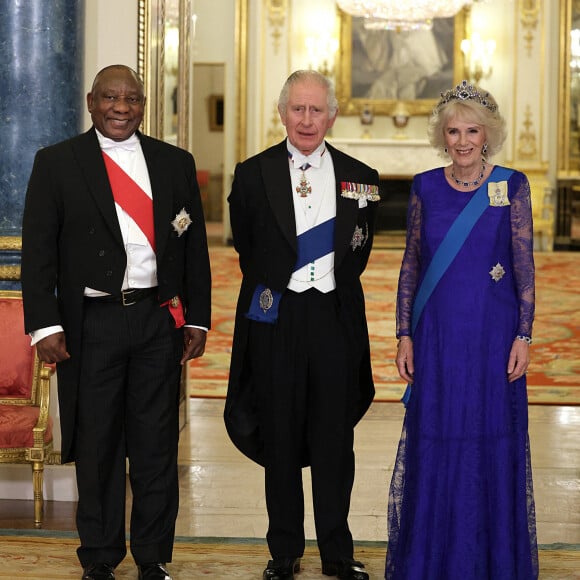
[497, 272]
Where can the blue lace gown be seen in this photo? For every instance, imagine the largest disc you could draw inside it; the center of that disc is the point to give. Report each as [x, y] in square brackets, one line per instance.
[461, 501]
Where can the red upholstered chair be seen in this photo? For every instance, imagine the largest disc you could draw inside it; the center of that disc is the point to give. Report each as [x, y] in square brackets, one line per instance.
[25, 424]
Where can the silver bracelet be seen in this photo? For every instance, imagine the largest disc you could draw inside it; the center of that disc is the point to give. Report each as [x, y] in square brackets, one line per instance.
[525, 339]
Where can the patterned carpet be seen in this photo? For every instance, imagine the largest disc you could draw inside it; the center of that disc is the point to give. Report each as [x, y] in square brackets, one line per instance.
[52, 555]
[554, 373]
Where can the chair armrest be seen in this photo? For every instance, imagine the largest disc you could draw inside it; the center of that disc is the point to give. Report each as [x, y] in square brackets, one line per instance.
[42, 374]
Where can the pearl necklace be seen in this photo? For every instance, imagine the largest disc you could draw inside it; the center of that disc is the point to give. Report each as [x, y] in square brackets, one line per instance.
[469, 183]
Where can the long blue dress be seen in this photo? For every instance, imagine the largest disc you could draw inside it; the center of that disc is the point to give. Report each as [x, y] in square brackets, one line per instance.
[461, 501]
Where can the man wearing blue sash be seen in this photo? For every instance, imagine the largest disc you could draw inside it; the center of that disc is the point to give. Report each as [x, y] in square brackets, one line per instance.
[302, 216]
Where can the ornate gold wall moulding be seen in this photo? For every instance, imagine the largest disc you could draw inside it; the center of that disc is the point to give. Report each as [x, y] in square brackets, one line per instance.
[241, 58]
[276, 131]
[529, 17]
[184, 66]
[150, 58]
[277, 11]
[153, 19]
[527, 139]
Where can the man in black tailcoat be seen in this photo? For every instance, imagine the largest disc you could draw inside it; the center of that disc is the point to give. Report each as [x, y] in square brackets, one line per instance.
[302, 216]
[116, 287]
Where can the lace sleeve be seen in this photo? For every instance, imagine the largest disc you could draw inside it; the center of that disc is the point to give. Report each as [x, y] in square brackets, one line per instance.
[409, 273]
[523, 251]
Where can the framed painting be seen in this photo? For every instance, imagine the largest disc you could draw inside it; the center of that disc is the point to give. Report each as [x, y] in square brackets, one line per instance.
[381, 68]
[216, 112]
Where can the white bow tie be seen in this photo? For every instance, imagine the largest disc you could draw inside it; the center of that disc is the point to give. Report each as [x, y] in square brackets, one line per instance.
[130, 144]
[299, 160]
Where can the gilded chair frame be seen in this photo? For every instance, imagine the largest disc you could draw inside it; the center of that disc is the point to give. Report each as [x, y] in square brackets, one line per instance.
[40, 452]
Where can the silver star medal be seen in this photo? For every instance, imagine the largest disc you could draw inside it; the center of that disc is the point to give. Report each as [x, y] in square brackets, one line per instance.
[181, 222]
[266, 300]
[497, 272]
[358, 239]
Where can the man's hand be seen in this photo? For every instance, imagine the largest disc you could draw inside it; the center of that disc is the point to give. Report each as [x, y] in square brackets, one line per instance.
[193, 343]
[52, 349]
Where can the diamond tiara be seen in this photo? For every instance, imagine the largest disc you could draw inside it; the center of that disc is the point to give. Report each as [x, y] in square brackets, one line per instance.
[465, 92]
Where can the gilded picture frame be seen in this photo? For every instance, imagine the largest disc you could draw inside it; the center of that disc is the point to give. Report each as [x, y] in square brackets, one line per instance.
[151, 39]
[382, 68]
[152, 66]
[216, 112]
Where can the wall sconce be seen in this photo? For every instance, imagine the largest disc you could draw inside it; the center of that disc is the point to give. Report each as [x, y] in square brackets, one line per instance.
[321, 50]
[477, 54]
[401, 118]
[367, 118]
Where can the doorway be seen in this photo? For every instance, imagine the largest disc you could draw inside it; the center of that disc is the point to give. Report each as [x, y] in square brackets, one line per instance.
[207, 143]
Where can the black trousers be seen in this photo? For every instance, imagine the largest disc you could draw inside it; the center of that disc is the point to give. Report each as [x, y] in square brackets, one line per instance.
[304, 382]
[128, 408]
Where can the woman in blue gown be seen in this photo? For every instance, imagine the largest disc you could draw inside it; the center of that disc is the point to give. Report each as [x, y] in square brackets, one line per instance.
[461, 501]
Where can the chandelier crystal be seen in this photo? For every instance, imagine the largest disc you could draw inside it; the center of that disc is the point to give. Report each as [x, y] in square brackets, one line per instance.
[401, 14]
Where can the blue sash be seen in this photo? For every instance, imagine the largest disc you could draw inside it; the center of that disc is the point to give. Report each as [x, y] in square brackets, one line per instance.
[450, 246]
[453, 242]
[315, 243]
[312, 244]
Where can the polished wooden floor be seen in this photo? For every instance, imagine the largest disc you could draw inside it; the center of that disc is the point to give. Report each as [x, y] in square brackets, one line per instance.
[222, 492]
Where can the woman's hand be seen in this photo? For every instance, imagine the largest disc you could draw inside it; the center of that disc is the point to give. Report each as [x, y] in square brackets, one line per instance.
[519, 360]
[404, 359]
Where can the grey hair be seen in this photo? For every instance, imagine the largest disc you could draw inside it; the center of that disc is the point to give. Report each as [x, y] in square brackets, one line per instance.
[471, 111]
[309, 75]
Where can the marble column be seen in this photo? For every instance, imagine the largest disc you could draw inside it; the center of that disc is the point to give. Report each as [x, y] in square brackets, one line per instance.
[41, 93]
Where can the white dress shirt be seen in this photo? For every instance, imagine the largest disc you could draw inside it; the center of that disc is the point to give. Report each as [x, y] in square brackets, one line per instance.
[141, 270]
[317, 207]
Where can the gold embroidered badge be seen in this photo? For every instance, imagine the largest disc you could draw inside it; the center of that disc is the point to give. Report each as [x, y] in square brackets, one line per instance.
[498, 193]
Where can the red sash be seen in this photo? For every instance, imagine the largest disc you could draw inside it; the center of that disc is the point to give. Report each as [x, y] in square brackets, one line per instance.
[131, 198]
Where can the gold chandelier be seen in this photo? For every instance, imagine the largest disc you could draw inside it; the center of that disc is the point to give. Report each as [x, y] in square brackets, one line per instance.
[401, 14]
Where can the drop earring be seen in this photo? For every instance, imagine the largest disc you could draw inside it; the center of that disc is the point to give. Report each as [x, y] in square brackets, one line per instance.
[484, 150]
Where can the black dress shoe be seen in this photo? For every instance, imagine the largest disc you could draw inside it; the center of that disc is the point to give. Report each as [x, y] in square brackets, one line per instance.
[99, 572]
[153, 571]
[345, 570]
[282, 569]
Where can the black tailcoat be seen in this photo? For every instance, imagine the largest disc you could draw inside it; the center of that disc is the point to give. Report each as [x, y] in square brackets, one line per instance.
[264, 232]
[72, 240]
